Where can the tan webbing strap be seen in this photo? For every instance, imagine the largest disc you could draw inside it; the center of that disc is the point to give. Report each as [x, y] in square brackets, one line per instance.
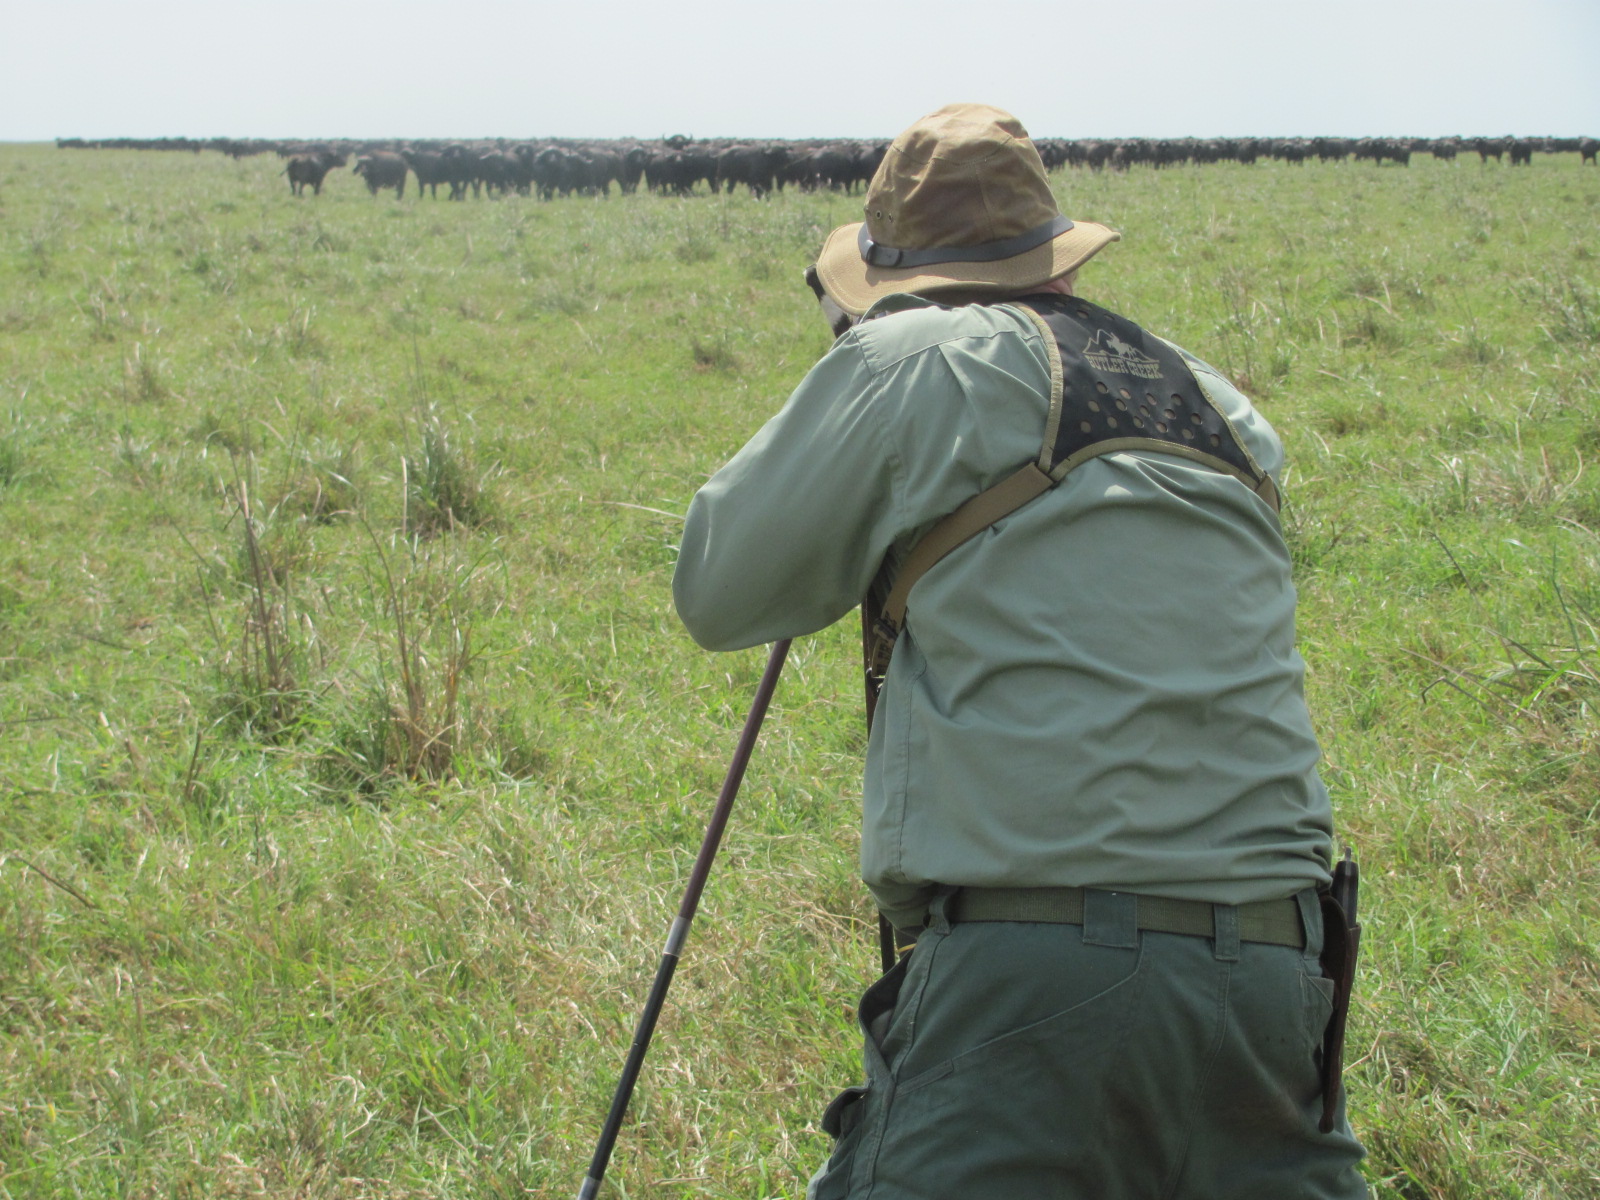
[973, 517]
[1268, 491]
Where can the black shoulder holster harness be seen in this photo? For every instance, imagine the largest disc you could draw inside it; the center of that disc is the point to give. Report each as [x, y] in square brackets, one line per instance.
[1113, 387]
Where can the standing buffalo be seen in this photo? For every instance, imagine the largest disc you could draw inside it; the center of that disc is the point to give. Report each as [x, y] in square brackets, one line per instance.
[1491, 146]
[312, 169]
[458, 166]
[604, 167]
[668, 173]
[431, 170]
[835, 166]
[755, 166]
[382, 169]
[556, 169]
[495, 171]
[588, 170]
[632, 169]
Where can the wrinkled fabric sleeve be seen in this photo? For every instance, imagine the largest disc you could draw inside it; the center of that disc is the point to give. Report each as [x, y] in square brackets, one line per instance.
[786, 538]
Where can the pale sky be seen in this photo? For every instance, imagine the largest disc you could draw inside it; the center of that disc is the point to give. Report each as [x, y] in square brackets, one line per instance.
[793, 69]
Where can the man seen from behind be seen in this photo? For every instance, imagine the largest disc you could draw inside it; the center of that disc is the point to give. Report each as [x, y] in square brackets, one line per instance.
[1091, 798]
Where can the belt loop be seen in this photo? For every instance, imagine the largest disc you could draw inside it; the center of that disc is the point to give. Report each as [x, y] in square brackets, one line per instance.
[1226, 925]
[1110, 919]
[938, 920]
[1310, 920]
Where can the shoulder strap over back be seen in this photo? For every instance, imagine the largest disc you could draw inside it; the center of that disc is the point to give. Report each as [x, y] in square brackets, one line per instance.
[1113, 387]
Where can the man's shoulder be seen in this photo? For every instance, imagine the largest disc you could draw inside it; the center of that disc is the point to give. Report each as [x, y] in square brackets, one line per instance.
[902, 327]
[1215, 382]
[1196, 363]
[1247, 421]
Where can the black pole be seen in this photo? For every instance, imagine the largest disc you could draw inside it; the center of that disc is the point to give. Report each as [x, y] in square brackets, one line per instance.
[869, 617]
[680, 926]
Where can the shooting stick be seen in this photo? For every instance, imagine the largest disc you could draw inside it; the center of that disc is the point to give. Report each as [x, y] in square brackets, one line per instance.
[869, 617]
[680, 926]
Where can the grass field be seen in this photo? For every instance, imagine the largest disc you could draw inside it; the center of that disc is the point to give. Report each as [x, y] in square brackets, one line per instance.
[352, 759]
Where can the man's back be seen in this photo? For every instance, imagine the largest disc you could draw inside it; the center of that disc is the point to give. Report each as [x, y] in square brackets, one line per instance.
[1111, 666]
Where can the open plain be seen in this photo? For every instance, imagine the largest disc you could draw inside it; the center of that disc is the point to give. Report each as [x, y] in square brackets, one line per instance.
[352, 759]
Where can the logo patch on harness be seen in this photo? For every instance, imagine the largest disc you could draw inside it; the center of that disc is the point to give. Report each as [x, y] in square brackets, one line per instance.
[1107, 352]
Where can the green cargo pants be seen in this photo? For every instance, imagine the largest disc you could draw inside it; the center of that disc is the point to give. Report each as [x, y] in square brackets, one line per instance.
[1030, 1061]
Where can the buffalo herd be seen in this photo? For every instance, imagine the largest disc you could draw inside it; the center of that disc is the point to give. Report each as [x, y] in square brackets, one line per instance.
[679, 165]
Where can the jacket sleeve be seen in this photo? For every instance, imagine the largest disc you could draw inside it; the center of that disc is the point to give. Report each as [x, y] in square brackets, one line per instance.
[786, 538]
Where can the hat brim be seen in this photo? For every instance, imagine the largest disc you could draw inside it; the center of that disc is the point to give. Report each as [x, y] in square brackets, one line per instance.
[855, 286]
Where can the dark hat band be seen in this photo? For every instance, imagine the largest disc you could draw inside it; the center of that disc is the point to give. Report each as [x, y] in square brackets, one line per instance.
[876, 254]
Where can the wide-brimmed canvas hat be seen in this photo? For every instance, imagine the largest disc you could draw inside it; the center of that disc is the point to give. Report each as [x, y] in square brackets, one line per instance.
[960, 203]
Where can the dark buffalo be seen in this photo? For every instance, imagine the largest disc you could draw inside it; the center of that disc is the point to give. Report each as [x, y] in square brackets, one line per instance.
[431, 170]
[800, 170]
[633, 161]
[1290, 150]
[519, 168]
[837, 166]
[700, 163]
[311, 169]
[869, 159]
[587, 170]
[604, 167]
[756, 167]
[382, 169]
[238, 147]
[1332, 149]
[1053, 152]
[667, 172]
[677, 171]
[494, 172]
[1491, 146]
[556, 169]
[461, 167]
[1382, 150]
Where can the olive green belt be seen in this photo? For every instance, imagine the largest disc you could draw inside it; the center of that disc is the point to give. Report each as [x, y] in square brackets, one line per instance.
[1276, 922]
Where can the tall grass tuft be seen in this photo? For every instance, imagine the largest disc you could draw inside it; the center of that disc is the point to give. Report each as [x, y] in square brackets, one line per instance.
[444, 490]
[264, 670]
[16, 451]
[713, 353]
[320, 483]
[407, 723]
[144, 377]
[1570, 306]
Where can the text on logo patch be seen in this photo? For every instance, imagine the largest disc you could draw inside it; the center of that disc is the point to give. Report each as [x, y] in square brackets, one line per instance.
[1107, 352]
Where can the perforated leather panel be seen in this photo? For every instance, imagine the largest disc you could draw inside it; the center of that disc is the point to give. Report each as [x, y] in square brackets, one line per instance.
[1121, 388]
